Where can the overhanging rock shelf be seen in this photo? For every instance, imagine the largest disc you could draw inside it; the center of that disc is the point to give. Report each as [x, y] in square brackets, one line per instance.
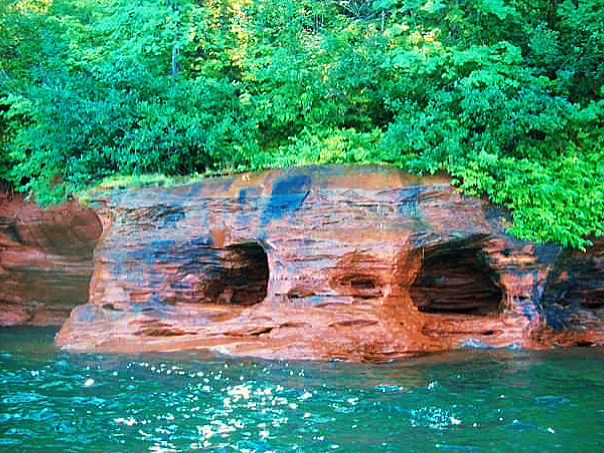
[357, 263]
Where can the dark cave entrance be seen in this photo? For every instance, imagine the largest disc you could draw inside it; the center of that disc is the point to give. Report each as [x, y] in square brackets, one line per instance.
[455, 278]
[238, 277]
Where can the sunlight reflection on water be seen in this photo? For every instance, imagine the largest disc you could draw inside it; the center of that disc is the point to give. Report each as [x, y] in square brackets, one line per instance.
[472, 400]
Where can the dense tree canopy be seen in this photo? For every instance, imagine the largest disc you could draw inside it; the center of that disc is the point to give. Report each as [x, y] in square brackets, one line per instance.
[505, 96]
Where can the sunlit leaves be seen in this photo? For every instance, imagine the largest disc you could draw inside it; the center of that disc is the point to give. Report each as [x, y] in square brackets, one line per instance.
[504, 95]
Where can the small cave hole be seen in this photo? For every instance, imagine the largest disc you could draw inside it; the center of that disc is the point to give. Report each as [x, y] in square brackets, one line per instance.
[362, 283]
[594, 299]
[359, 275]
[300, 293]
[359, 285]
[578, 287]
[239, 276]
[455, 278]
[13, 232]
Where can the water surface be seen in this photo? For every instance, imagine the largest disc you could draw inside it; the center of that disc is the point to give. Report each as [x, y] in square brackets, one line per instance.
[475, 401]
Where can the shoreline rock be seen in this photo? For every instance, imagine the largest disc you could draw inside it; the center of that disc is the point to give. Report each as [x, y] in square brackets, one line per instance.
[337, 262]
[46, 260]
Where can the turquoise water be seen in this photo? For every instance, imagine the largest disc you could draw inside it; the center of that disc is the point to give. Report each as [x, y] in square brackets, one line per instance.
[465, 401]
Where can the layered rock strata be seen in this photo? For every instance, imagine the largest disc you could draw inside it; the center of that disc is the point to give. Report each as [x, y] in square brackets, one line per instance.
[356, 263]
[45, 260]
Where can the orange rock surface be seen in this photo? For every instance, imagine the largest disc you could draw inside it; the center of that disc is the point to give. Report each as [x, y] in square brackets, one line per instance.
[45, 260]
[355, 263]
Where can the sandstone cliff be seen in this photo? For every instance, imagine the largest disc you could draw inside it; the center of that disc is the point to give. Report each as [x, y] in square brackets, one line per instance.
[45, 260]
[358, 263]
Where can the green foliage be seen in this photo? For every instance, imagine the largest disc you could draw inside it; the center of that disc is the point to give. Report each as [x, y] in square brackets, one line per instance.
[499, 130]
[111, 108]
[506, 96]
[14, 112]
[335, 146]
[107, 129]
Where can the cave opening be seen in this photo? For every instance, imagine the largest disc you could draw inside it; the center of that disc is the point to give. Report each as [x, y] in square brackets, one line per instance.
[238, 277]
[576, 281]
[455, 278]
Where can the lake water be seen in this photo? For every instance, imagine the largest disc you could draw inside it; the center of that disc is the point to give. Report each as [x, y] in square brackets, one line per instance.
[476, 401]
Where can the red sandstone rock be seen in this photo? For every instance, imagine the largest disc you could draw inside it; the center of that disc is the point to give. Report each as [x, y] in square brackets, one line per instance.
[45, 260]
[357, 263]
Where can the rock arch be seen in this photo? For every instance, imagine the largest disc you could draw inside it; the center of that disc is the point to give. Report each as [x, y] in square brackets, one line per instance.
[239, 276]
[455, 277]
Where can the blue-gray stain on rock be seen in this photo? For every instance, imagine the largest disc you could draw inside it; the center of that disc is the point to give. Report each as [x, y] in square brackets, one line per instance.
[288, 195]
[407, 200]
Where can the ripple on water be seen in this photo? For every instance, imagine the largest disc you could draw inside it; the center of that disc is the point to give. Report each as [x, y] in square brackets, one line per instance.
[14, 398]
[478, 401]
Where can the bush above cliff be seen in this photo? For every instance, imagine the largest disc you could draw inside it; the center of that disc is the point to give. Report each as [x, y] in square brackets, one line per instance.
[504, 95]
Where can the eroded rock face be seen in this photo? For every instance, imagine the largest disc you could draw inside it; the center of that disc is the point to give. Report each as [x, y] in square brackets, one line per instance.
[358, 263]
[45, 260]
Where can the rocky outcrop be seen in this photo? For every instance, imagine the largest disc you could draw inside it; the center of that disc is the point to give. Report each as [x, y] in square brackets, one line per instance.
[45, 260]
[356, 263]
[573, 297]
